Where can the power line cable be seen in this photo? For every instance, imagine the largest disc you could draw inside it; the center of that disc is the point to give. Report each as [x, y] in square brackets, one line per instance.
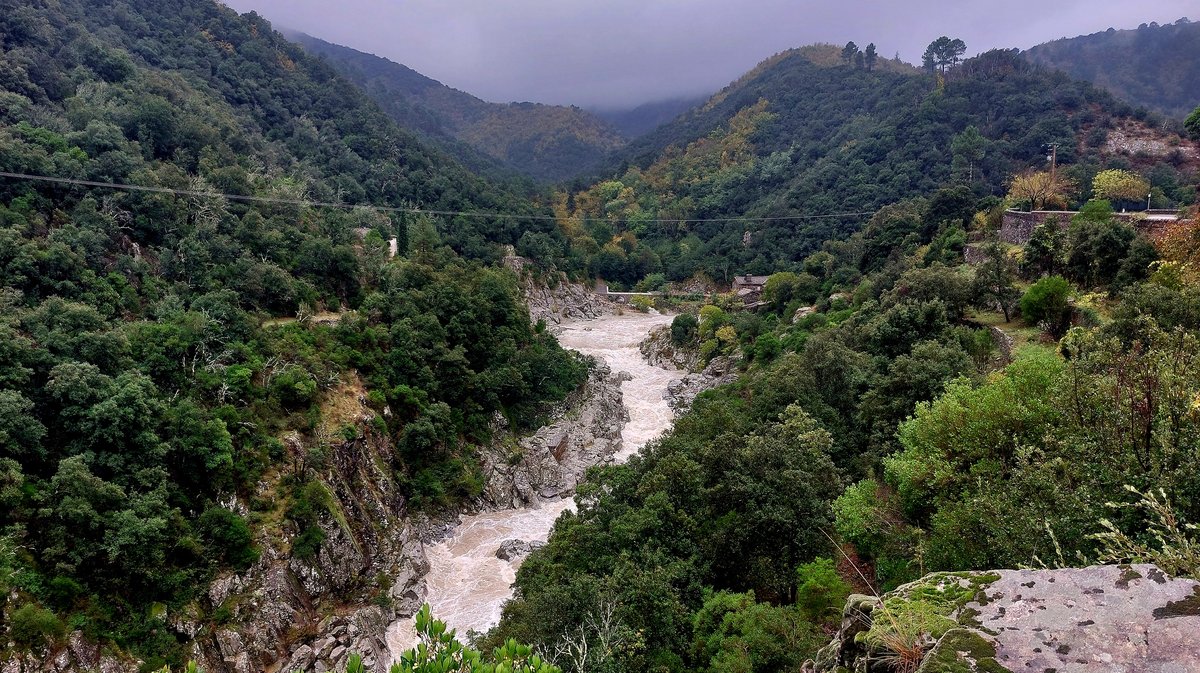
[392, 209]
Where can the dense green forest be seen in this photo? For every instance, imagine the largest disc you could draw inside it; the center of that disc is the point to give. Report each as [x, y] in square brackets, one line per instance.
[882, 430]
[154, 347]
[547, 142]
[1154, 66]
[796, 137]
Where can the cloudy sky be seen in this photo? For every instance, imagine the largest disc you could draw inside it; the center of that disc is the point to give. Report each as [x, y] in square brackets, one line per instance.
[618, 53]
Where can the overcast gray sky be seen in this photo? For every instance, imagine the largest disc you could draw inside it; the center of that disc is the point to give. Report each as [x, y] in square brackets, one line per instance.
[618, 53]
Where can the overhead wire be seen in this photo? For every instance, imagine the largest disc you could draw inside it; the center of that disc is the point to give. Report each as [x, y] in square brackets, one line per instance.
[305, 203]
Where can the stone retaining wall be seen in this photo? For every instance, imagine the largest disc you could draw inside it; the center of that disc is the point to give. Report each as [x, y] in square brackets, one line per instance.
[1017, 226]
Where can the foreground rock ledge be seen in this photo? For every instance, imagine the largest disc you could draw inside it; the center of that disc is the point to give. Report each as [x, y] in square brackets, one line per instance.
[1103, 619]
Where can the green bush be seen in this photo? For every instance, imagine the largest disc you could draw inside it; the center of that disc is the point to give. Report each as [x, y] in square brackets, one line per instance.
[820, 591]
[1193, 124]
[684, 328]
[1045, 302]
[308, 542]
[33, 626]
[643, 304]
[228, 536]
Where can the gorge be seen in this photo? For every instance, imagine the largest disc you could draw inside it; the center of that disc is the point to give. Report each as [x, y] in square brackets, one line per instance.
[467, 583]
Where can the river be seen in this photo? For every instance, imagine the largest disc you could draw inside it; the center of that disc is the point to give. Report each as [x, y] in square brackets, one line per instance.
[467, 584]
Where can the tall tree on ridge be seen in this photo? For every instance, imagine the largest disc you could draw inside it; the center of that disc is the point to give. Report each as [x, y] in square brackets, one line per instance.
[943, 53]
[848, 52]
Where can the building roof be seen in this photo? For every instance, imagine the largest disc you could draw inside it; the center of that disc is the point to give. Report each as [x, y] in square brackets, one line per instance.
[746, 279]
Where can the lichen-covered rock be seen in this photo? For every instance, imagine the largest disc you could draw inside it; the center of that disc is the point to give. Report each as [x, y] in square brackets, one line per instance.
[1102, 619]
[846, 648]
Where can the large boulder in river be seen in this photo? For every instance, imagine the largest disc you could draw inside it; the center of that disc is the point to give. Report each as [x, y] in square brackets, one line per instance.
[515, 550]
[1103, 619]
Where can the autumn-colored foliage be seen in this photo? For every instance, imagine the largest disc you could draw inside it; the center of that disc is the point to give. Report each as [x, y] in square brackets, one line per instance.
[1179, 245]
[1041, 189]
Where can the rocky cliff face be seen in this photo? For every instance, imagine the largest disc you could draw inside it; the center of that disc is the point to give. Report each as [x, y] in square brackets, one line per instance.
[552, 461]
[312, 612]
[661, 351]
[1103, 619]
[564, 301]
[555, 299]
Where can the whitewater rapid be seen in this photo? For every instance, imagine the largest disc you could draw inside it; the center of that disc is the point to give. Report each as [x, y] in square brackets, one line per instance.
[467, 584]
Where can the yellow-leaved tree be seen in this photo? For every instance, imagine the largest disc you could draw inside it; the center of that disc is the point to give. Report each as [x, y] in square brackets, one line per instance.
[1115, 184]
[1040, 189]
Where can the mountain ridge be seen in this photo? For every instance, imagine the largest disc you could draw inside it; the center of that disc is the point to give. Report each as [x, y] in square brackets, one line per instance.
[546, 142]
[1155, 66]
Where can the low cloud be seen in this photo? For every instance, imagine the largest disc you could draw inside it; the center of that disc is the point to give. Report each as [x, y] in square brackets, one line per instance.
[620, 53]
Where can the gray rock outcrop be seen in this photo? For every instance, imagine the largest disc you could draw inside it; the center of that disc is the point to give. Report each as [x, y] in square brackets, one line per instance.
[550, 463]
[661, 351]
[553, 298]
[718, 372]
[564, 301]
[515, 550]
[1102, 619]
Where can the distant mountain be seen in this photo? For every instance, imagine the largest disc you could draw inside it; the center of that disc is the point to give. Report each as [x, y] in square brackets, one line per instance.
[805, 135]
[1155, 66]
[546, 142]
[633, 122]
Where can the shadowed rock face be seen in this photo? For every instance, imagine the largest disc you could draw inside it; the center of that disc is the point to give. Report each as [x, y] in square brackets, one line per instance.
[1102, 619]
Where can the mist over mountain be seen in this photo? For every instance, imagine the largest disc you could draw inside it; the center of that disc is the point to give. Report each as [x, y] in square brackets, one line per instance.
[1155, 66]
[637, 121]
[546, 142]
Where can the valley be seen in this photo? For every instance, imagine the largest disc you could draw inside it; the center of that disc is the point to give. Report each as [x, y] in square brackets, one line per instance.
[310, 362]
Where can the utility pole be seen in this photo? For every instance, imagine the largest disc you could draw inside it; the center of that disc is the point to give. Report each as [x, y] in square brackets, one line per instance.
[1053, 161]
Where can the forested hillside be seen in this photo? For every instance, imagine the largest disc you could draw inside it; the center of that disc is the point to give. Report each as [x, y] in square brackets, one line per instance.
[1157, 67]
[154, 348]
[793, 138]
[899, 413]
[547, 142]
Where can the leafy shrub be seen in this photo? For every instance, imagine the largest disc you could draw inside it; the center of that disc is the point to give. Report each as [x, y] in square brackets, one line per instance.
[767, 347]
[1045, 302]
[684, 328]
[32, 626]
[228, 536]
[641, 303]
[308, 543]
[294, 388]
[820, 591]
